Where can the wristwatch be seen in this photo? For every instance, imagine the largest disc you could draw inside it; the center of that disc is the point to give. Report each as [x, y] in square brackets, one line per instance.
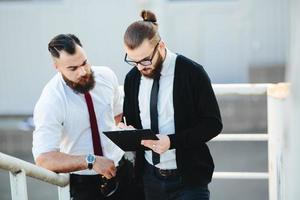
[90, 160]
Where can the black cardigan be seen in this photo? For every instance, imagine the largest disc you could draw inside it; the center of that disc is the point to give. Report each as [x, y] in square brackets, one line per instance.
[196, 115]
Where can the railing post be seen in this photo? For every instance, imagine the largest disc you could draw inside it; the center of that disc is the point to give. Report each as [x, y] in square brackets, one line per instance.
[64, 193]
[276, 106]
[18, 185]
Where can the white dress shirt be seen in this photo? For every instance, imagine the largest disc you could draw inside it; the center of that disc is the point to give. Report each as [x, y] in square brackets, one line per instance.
[164, 106]
[61, 117]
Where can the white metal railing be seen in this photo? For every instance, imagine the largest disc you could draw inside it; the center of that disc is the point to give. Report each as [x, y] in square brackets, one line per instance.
[19, 169]
[276, 95]
[242, 137]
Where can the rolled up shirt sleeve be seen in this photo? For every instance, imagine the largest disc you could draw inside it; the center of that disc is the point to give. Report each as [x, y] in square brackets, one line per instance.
[118, 96]
[48, 120]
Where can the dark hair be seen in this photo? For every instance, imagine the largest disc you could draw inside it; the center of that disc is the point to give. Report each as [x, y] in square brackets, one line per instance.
[66, 42]
[138, 31]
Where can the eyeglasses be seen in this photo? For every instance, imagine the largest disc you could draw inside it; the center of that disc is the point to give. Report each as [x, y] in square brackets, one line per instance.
[145, 61]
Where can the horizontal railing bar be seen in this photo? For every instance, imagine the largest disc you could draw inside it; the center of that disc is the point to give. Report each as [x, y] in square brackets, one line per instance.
[240, 89]
[244, 133]
[15, 165]
[240, 175]
[241, 137]
[236, 89]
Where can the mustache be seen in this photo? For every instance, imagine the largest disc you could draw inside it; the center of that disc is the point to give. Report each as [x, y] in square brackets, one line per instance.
[84, 84]
[85, 78]
[155, 70]
[145, 69]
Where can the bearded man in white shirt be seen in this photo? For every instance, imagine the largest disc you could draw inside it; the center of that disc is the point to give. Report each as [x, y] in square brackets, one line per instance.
[63, 140]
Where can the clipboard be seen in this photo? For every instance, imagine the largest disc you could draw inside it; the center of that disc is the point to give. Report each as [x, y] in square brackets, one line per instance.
[130, 140]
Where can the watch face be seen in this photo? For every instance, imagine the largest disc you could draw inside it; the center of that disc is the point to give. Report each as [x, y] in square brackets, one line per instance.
[90, 158]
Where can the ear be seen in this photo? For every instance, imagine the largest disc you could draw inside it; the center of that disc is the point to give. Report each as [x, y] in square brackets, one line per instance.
[161, 47]
[162, 44]
[55, 65]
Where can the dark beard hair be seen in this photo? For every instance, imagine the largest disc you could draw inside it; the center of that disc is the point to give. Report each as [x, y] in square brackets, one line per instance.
[157, 68]
[82, 87]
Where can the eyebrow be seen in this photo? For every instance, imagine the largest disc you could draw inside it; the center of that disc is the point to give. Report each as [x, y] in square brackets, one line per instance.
[84, 62]
[148, 57]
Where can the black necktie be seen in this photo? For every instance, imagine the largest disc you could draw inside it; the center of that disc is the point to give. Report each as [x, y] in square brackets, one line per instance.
[154, 115]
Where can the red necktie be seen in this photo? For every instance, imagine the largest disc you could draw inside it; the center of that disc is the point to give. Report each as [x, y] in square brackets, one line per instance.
[94, 126]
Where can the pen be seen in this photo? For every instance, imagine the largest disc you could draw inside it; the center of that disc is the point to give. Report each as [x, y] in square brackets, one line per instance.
[124, 119]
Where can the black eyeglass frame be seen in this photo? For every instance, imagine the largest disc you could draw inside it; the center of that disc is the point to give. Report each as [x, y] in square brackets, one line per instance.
[144, 62]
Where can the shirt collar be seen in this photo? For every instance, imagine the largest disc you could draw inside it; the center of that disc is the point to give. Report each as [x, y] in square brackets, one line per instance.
[168, 64]
[59, 74]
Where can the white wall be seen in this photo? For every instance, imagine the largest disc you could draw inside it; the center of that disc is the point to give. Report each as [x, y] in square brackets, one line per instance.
[27, 27]
[292, 139]
[227, 37]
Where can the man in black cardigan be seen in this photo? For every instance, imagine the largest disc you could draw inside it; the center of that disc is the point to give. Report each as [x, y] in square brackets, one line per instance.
[173, 96]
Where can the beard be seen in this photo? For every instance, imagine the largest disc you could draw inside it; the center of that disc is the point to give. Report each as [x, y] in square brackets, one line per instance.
[85, 83]
[155, 71]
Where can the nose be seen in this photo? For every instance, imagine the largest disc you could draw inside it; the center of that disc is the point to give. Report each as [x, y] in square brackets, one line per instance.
[82, 71]
[140, 67]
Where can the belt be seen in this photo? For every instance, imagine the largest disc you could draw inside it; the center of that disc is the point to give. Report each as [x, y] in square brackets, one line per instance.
[164, 173]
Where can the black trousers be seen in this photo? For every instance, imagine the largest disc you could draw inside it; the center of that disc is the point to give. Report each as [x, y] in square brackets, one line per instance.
[158, 187]
[87, 187]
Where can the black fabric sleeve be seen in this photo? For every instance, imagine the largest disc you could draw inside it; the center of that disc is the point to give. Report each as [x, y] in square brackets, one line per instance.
[207, 121]
[127, 104]
[125, 101]
[172, 141]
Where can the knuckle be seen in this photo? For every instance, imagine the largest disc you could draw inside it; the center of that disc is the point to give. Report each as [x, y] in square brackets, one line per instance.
[108, 176]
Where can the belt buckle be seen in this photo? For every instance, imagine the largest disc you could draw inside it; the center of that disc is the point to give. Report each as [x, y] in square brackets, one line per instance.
[163, 172]
[166, 172]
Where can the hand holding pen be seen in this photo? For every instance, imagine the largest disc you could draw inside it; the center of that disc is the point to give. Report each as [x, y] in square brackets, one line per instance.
[123, 125]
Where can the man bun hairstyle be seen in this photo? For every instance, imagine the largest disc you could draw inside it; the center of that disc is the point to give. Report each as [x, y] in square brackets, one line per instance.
[148, 16]
[63, 42]
[140, 30]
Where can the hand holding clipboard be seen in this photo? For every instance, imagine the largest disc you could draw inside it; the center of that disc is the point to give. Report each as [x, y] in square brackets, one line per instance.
[130, 140]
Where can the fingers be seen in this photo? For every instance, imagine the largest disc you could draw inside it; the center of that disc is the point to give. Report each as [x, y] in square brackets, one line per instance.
[113, 171]
[105, 167]
[106, 175]
[154, 145]
[131, 127]
[159, 146]
[121, 125]
[109, 173]
[151, 144]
